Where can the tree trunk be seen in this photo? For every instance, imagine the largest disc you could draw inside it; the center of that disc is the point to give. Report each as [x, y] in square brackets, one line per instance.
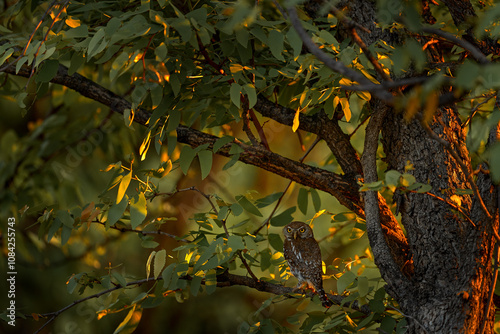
[446, 285]
[451, 254]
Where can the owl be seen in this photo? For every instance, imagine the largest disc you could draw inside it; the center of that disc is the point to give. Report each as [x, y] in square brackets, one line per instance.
[302, 252]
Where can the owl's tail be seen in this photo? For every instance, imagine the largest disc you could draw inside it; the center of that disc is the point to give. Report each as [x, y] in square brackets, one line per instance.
[324, 298]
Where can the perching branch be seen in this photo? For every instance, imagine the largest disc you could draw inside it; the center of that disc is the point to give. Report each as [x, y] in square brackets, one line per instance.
[223, 280]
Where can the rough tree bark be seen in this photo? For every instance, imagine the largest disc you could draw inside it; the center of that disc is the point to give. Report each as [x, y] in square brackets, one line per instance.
[448, 289]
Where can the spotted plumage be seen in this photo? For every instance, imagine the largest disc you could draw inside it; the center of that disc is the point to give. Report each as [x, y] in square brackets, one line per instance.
[303, 254]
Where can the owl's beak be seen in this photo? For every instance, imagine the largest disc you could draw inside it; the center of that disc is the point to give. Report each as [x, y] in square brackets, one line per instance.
[294, 235]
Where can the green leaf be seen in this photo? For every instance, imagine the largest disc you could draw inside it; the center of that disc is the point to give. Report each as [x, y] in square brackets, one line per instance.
[235, 92]
[268, 200]
[211, 281]
[265, 259]
[221, 142]
[251, 94]
[95, 42]
[494, 154]
[48, 71]
[344, 281]
[392, 178]
[315, 199]
[276, 242]
[235, 242]
[65, 217]
[303, 200]
[77, 60]
[167, 275]
[407, 180]
[149, 244]
[81, 31]
[236, 209]
[54, 227]
[248, 206]
[65, 234]
[160, 259]
[283, 218]
[387, 325]
[73, 283]
[119, 278]
[366, 321]
[6, 55]
[138, 210]
[149, 262]
[242, 37]
[118, 64]
[122, 188]
[377, 306]
[183, 27]
[467, 74]
[131, 321]
[186, 157]
[295, 41]
[208, 252]
[275, 42]
[116, 211]
[195, 285]
[205, 158]
[363, 286]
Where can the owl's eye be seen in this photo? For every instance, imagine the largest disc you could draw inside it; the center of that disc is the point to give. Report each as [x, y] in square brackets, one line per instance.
[302, 230]
[289, 229]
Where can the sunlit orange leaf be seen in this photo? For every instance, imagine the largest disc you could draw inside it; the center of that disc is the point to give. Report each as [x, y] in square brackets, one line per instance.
[72, 22]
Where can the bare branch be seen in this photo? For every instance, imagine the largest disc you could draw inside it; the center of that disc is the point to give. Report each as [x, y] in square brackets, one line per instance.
[335, 65]
[125, 229]
[475, 52]
[391, 271]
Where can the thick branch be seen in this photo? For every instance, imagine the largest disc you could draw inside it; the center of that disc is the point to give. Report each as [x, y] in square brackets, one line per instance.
[342, 187]
[319, 124]
[339, 186]
[391, 271]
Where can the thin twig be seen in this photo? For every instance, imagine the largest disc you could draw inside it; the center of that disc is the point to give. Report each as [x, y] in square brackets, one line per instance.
[53, 315]
[144, 58]
[410, 317]
[223, 222]
[335, 65]
[260, 130]
[475, 109]
[475, 52]
[246, 124]
[266, 222]
[456, 207]
[54, 20]
[455, 156]
[346, 20]
[369, 55]
[125, 229]
[31, 37]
